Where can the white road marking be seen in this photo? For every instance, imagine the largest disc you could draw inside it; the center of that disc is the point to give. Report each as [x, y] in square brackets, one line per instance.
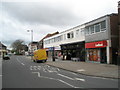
[65, 76]
[60, 81]
[37, 73]
[71, 78]
[81, 70]
[20, 62]
[44, 70]
[58, 69]
[31, 68]
[50, 70]
[80, 79]
[100, 78]
[67, 83]
[73, 73]
[35, 67]
[47, 66]
[39, 67]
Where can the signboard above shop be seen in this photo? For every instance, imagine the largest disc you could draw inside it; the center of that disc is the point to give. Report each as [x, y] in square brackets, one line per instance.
[98, 44]
[55, 48]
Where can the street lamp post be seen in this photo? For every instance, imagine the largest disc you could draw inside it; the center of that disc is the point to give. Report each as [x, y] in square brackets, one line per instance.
[31, 41]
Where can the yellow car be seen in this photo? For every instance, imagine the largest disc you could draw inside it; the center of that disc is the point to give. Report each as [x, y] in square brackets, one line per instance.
[40, 55]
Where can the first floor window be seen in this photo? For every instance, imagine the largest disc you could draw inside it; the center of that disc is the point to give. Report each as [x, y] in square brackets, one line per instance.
[97, 28]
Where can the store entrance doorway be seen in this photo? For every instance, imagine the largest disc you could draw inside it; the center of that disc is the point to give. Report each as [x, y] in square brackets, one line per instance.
[103, 55]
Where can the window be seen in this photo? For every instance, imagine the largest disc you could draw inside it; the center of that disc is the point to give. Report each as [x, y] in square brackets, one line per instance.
[103, 25]
[82, 31]
[56, 39]
[70, 35]
[87, 30]
[97, 28]
[77, 32]
[64, 36]
[61, 37]
[52, 40]
[91, 29]
[48, 41]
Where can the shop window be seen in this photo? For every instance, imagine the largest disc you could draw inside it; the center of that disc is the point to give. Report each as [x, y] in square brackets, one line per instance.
[97, 28]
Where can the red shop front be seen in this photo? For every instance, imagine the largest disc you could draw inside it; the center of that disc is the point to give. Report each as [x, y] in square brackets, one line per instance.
[96, 51]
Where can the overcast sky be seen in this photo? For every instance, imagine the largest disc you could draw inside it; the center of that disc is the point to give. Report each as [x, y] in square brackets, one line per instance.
[47, 16]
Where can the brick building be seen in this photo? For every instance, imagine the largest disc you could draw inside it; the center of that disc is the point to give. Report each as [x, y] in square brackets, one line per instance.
[40, 43]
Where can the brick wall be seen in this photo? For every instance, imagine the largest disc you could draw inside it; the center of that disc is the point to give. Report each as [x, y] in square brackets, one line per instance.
[114, 33]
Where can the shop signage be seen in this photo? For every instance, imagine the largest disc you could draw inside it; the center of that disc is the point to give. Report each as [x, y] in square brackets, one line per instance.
[98, 44]
[54, 48]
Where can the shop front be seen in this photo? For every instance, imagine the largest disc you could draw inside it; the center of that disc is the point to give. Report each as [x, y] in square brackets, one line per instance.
[73, 51]
[54, 51]
[96, 51]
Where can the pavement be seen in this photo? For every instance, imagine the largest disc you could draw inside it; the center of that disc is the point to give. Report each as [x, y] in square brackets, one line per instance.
[86, 68]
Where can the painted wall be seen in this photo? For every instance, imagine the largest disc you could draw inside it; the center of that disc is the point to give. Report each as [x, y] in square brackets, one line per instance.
[78, 37]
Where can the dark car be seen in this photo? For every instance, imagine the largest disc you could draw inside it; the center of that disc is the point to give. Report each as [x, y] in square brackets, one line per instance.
[6, 57]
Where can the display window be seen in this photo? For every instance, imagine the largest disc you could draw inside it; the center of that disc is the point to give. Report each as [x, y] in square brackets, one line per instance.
[93, 55]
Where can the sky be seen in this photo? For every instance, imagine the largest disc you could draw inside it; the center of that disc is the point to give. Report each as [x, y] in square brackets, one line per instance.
[47, 16]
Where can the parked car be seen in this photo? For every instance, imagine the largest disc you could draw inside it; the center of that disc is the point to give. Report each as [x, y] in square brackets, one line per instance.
[6, 57]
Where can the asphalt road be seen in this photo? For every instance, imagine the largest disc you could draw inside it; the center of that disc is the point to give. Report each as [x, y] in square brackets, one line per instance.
[21, 72]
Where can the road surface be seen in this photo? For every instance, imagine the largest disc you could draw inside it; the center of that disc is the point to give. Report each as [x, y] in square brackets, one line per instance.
[21, 72]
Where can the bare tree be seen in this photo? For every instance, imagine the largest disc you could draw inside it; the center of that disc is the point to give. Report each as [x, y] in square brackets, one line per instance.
[18, 45]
